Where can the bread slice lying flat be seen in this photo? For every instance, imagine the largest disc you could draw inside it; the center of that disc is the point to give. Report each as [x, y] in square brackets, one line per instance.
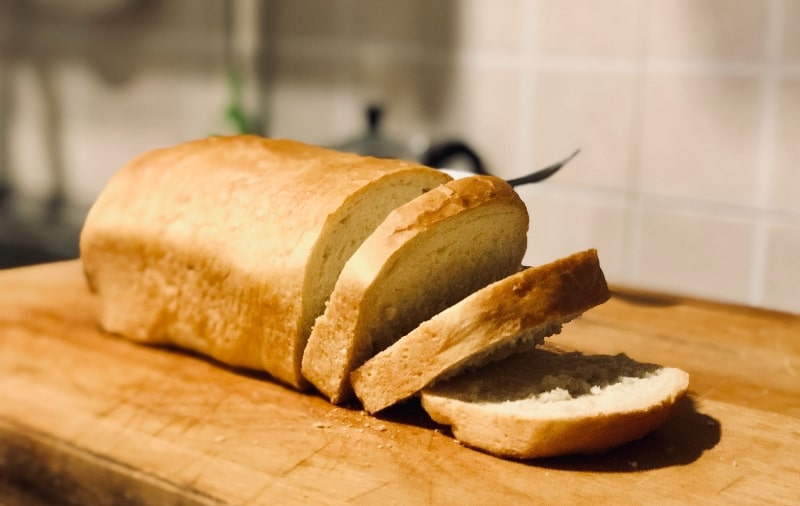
[505, 317]
[230, 245]
[427, 255]
[543, 403]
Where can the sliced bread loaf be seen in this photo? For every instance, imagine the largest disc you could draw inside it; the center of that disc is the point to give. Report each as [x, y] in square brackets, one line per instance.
[427, 255]
[230, 245]
[543, 403]
[505, 317]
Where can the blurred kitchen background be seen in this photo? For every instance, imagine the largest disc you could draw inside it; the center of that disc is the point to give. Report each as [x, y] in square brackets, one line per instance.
[687, 114]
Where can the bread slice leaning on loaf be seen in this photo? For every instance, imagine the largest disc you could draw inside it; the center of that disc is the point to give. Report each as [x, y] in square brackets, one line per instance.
[427, 255]
[505, 317]
[230, 245]
[543, 403]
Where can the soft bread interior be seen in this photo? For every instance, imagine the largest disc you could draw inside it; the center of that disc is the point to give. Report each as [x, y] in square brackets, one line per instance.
[501, 319]
[547, 384]
[347, 229]
[546, 402]
[439, 268]
[426, 256]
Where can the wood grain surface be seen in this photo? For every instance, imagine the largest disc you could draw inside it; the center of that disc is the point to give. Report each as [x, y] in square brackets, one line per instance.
[88, 418]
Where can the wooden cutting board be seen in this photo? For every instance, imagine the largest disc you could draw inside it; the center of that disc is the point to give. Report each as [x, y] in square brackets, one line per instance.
[87, 418]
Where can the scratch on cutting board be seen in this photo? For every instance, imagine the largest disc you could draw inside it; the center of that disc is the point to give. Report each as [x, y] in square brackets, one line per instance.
[784, 350]
[300, 463]
[733, 483]
[111, 408]
[190, 423]
[258, 496]
[369, 491]
[208, 411]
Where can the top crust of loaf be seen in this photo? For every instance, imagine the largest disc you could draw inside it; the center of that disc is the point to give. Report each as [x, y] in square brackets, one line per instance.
[424, 257]
[543, 403]
[230, 245]
[511, 314]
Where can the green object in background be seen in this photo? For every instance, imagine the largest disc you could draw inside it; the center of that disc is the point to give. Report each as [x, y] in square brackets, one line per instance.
[235, 118]
[234, 113]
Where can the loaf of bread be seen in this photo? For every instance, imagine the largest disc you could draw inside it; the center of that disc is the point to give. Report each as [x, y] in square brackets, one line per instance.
[545, 402]
[505, 317]
[230, 246]
[379, 278]
[427, 255]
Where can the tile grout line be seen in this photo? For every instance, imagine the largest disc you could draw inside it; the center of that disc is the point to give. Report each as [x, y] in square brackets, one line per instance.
[525, 141]
[634, 221]
[345, 40]
[333, 48]
[718, 210]
[765, 162]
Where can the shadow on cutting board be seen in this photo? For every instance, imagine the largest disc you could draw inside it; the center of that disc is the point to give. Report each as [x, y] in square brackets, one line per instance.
[680, 441]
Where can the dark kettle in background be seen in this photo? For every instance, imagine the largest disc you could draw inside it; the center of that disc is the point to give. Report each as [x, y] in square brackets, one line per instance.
[444, 153]
[439, 155]
[453, 156]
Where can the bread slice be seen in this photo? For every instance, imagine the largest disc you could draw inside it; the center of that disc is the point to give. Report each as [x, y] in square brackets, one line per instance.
[230, 245]
[543, 403]
[427, 255]
[505, 317]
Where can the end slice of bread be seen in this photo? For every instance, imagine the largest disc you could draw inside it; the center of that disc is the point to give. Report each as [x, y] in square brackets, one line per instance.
[505, 317]
[427, 255]
[544, 403]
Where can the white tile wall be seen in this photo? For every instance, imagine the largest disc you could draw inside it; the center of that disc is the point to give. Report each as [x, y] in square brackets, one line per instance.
[464, 112]
[699, 136]
[780, 289]
[582, 29]
[688, 120]
[480, 29]
[790, 34]
[696, 253]
[591, 111]
[786, 188]
[707, 30]
[568, 220]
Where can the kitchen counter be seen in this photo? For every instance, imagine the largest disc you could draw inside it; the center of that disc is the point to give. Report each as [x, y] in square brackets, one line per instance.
[89, 418]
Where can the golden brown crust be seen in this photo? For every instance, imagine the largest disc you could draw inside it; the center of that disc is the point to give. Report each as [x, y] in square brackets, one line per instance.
[210, 244]
[520, 436]
[428, 255]
[529, 305]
